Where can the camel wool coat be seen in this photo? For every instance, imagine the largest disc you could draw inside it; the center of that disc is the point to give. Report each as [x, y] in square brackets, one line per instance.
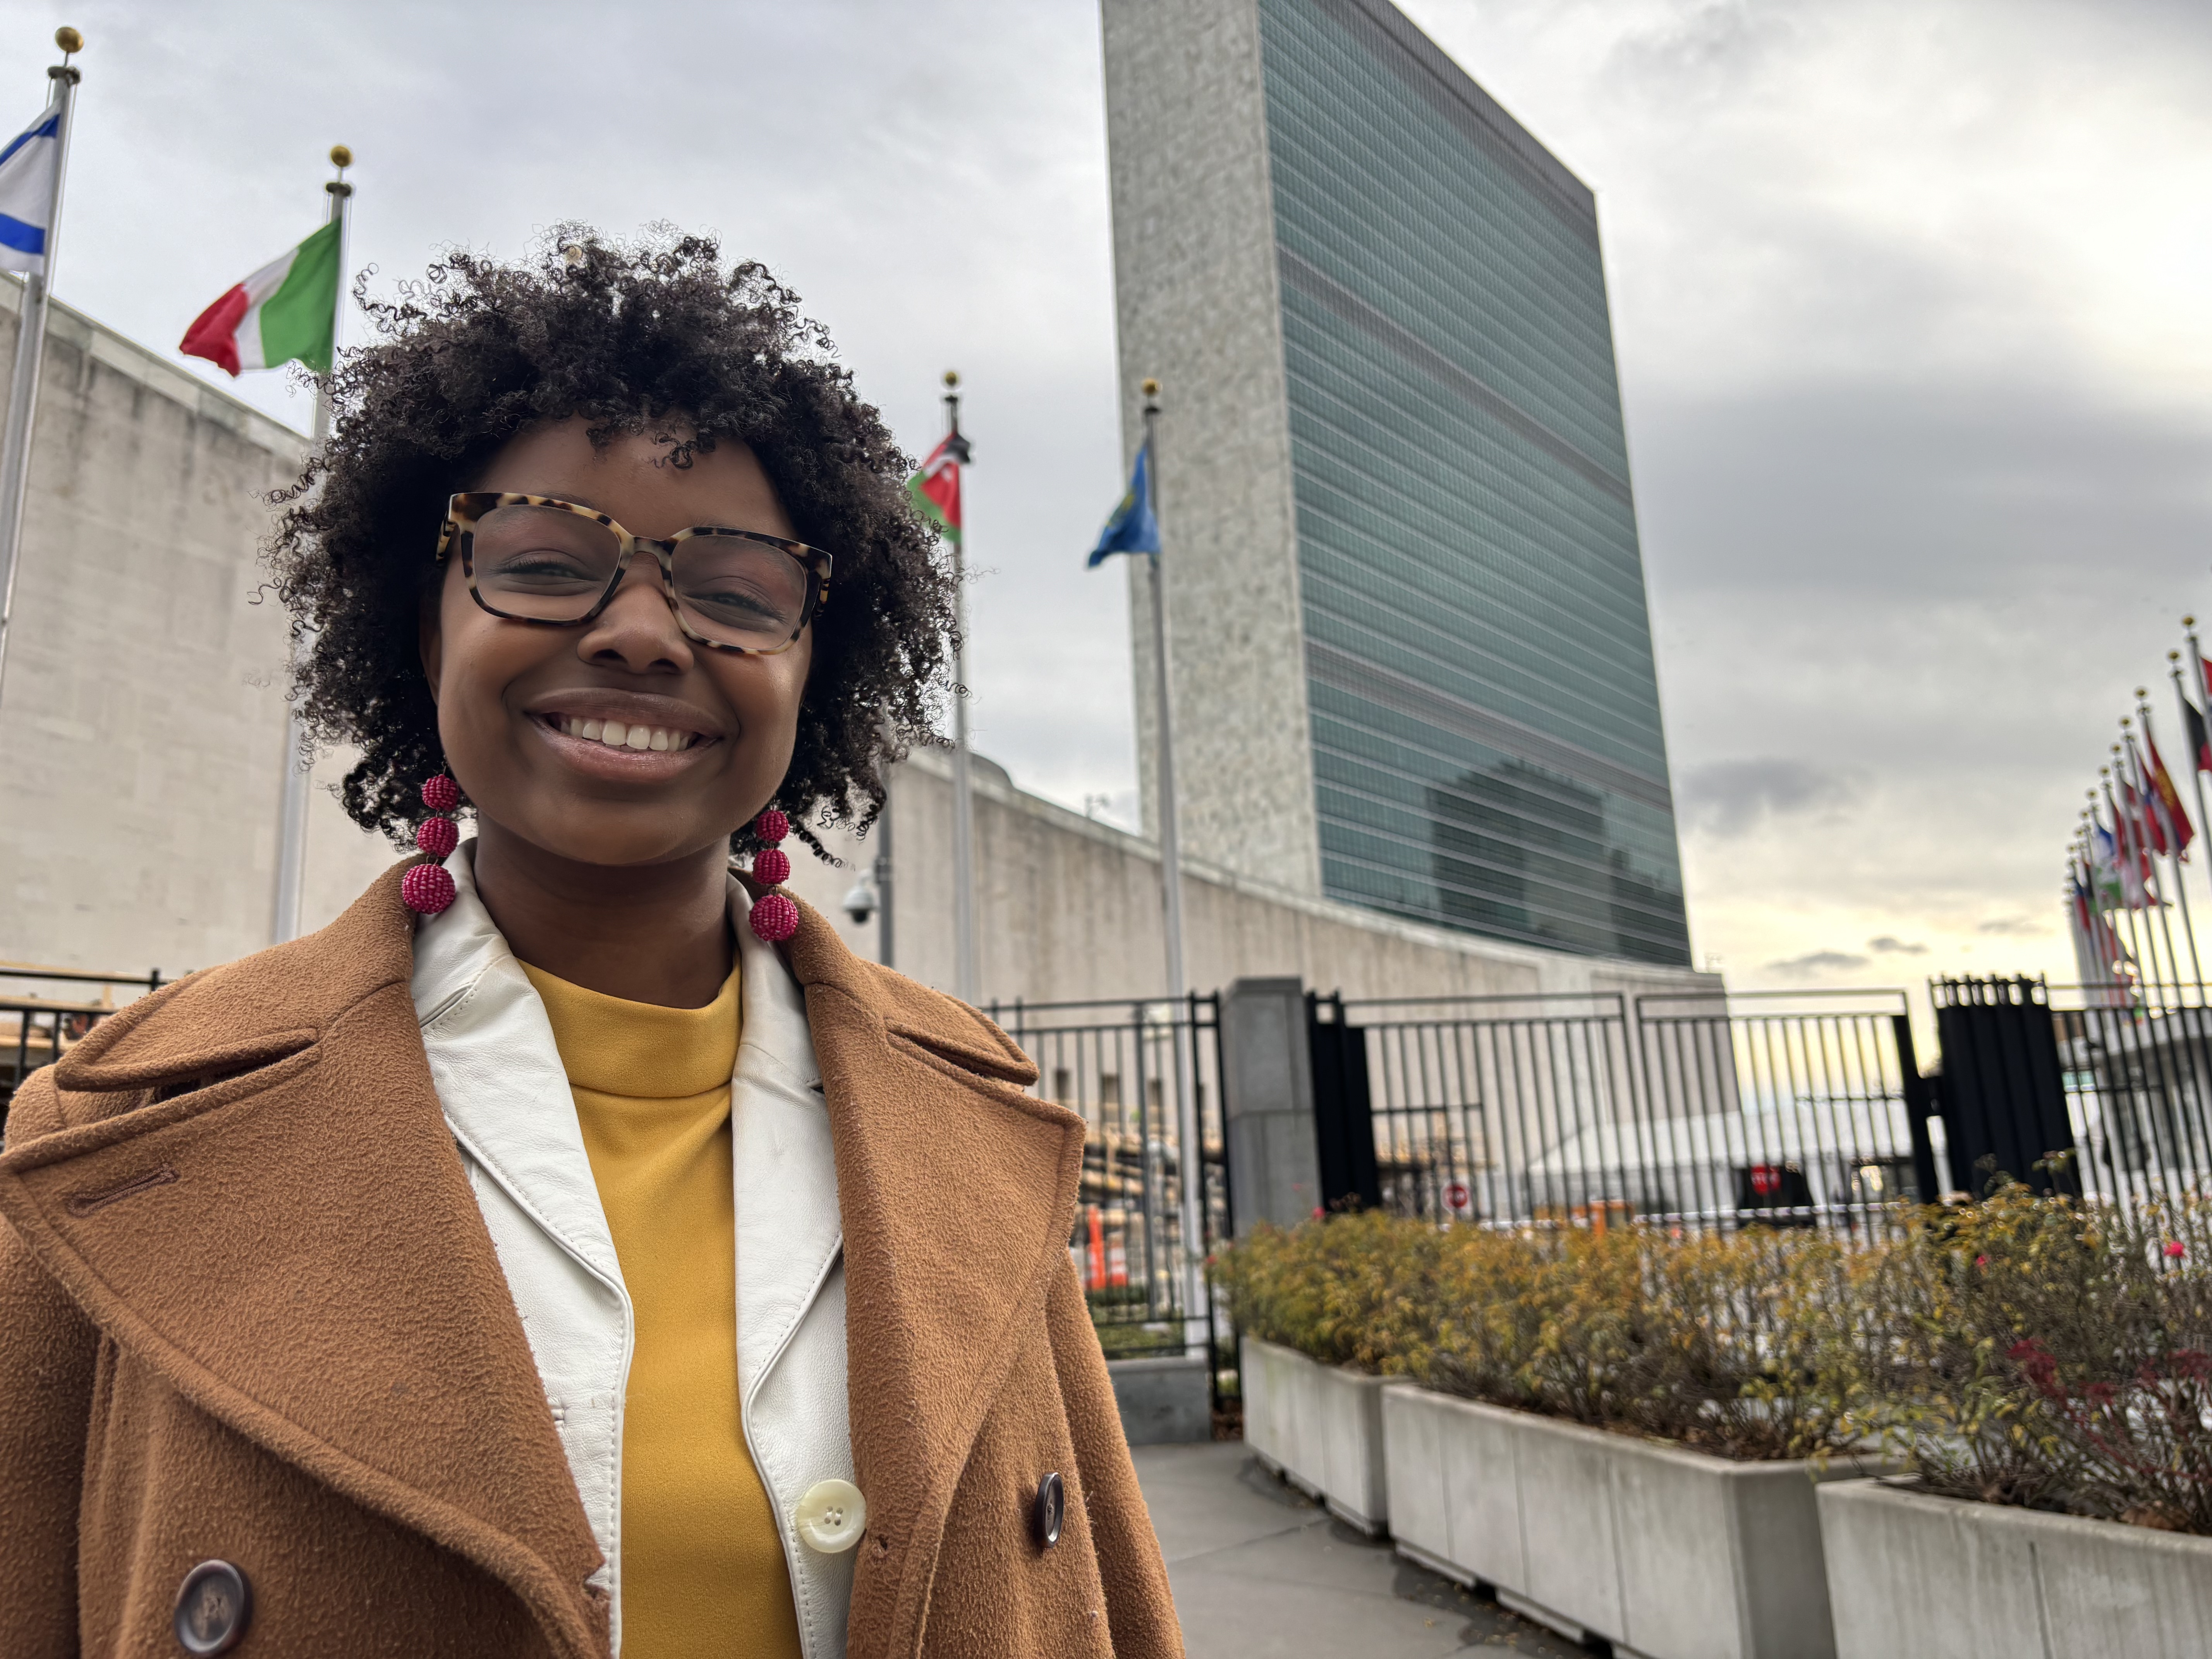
[249, 1312]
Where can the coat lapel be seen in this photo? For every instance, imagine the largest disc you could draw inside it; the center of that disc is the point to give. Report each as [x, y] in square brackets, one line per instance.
[252, 1190]
[957, 1190]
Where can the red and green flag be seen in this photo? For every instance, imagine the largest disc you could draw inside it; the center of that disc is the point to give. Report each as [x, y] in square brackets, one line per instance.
[935, 490]
[287, 309]
[2165, 800]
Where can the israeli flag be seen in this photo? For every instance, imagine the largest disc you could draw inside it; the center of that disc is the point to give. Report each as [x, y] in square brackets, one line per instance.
[28, 170]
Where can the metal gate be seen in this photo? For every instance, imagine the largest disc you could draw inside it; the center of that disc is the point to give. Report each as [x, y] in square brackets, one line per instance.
[45, 1011]
[1129, 1069]
[1708, 1110]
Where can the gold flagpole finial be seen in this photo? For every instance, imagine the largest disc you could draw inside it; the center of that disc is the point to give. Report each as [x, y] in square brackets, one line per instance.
[341, 157]
[68, 40]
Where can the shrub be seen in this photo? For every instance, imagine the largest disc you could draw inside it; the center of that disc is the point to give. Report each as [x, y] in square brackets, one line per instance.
[2046, 1354]
[1688, 1339]
[2022, 1350]
[1356, 1290]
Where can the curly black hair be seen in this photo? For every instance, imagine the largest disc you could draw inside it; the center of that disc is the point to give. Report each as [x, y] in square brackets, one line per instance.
[654, 336]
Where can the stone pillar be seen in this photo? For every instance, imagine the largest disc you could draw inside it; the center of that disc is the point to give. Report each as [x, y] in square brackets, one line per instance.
[1268, 1102]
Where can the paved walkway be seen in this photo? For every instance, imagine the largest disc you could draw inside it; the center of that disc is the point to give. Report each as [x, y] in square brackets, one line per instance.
[1260, 1572]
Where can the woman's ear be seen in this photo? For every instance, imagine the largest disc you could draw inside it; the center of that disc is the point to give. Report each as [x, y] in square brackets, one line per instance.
[430, 635]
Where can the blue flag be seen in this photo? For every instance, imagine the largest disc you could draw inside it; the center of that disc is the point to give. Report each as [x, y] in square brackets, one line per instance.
[1134, 528]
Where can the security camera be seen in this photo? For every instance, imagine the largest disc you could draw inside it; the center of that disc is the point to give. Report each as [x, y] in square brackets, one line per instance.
[860, 903]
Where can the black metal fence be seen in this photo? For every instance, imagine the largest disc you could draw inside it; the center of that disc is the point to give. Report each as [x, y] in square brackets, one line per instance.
[40, 1018]
[1136, 1071]
[1778, 1108]
[2132, 1088]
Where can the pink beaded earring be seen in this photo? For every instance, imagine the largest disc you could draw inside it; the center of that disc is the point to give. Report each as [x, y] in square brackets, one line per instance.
[776, 915]
[428, 888]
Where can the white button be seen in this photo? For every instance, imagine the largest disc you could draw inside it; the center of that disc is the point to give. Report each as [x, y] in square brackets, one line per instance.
[832, 1517]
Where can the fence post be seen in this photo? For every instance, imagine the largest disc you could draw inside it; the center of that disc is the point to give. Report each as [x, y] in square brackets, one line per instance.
[1267, 1103]
[2004, 1094]
[1344, 1119]
[1919, 1106]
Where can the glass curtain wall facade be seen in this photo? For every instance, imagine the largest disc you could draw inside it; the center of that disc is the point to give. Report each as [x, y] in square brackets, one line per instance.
[1487, 742]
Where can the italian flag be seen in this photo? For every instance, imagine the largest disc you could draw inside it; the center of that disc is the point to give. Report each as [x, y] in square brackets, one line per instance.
[288, 309]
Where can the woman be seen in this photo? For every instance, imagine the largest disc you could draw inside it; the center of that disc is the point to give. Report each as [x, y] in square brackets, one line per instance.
[572, 1249]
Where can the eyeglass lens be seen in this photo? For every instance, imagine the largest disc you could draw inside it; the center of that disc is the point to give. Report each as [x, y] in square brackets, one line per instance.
[546, 565]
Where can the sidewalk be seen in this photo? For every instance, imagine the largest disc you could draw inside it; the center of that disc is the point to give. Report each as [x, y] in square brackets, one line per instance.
[1260, 1572]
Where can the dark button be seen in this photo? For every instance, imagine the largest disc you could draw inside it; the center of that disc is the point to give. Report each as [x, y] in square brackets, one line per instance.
[212, 1608]
[1051, 1504]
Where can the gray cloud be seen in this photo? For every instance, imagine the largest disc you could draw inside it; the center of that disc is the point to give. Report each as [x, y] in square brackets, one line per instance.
[1732, 798]
[1889, 946]
[1817, 963]
[2013, 928]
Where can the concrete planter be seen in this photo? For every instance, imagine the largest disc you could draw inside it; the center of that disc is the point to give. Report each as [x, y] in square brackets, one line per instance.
[1916, 1576]
[1166, 1401]
[1667, 1553]
[1318, 1426]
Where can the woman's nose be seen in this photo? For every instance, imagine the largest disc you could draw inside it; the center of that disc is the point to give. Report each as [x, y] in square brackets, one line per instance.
[637, 630]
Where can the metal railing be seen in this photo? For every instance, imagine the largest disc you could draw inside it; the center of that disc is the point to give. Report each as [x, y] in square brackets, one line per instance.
[1124, 1068]
[2137, 1085]
[36, 1030]
[1703, 1110]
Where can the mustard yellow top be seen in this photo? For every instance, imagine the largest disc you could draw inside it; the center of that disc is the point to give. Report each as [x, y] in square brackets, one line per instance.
[702, 1566]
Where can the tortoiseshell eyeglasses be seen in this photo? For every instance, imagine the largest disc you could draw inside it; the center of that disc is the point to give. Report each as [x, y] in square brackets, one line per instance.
[540, 559]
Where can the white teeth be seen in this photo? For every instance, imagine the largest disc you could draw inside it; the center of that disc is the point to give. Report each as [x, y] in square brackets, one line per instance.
[615, 735]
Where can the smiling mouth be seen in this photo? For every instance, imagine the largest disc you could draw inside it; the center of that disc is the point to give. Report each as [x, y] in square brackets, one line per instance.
[615, 734]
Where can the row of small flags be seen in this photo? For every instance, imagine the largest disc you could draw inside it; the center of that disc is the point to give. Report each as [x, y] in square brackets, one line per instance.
[2135, 818]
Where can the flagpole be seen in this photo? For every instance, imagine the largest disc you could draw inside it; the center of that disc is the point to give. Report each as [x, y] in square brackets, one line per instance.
[31, 346]
[884, 875]
[2123, 850]
[2138, 782]
[2112, 975]
[2138, 859]
[2180, 876]
[2132, 943]
[2195, 768]
[964, 975]
[1191, 1159]
[2153, 911]
[299, 764]
[2128, 980]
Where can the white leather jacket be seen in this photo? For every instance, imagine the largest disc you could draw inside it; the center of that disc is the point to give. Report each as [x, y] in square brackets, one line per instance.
[507, 1100]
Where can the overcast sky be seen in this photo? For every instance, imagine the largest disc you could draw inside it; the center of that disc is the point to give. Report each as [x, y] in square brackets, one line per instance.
[1909, 297]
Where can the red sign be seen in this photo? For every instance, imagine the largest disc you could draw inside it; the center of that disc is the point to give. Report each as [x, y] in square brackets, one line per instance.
[1457, 1196]
[1766, 1179]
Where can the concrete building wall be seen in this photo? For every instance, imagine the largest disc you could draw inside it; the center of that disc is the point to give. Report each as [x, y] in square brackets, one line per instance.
[1068, 909]
[1197, 307]
[143, 714]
